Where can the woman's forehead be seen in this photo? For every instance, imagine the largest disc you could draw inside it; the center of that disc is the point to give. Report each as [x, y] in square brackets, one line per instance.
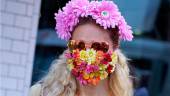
[90, 32]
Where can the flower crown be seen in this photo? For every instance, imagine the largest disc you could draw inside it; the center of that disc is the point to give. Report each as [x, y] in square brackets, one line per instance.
[106, 14]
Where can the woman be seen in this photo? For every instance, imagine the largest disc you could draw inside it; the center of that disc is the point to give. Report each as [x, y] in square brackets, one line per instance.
[92, 65]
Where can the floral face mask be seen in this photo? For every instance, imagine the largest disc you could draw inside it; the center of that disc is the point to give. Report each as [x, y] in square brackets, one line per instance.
[90, 64]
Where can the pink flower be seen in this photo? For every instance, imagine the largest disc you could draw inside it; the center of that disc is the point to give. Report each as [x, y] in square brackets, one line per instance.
[91, 68]
[124, 30]
[95, 68]
[107, 14]
[82, 66]
[81, 80]
[68, 55]
[80, 7]
[62, 29]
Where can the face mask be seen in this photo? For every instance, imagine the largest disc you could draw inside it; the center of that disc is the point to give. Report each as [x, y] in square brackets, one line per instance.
[92, 64]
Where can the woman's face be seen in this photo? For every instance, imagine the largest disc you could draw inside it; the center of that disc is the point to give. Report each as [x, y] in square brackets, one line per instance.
[90, 32]
[88, 62]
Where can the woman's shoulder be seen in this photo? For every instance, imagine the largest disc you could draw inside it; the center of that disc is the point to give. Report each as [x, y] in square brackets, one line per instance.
[35, 90]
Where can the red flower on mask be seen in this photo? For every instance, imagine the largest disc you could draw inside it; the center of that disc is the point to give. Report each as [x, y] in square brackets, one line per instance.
[75, 72]
[110, 68]
[107, 57]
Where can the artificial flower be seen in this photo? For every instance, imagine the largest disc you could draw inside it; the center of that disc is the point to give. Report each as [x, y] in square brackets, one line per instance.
[90, 72]
[106, 14]
[110, 69]
[114, 58]
[91, 53]
[83, 55]
[103, 75]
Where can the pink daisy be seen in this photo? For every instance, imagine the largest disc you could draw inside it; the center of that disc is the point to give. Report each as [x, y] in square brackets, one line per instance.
[106, 14]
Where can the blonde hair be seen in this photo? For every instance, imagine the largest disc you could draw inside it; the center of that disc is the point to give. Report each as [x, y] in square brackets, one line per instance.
[60, 82]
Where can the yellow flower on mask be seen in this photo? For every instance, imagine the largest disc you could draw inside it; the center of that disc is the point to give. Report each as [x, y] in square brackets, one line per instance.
[69, 61]
[92, 75]
[91, 53]
[86, 76]
[114, 58]
[103, 75]
[102, 67]
[83, 55]
[70, 66]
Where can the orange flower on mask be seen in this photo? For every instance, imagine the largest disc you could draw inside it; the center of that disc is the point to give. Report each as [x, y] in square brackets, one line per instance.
[76, 54]
[99, 56]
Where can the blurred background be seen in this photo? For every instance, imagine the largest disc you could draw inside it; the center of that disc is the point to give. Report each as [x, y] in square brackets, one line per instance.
[149, 52]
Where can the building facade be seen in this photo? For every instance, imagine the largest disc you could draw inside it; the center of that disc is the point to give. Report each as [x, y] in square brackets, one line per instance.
[18, 30]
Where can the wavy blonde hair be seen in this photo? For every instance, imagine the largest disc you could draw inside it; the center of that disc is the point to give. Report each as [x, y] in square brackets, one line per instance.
[60, 82]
